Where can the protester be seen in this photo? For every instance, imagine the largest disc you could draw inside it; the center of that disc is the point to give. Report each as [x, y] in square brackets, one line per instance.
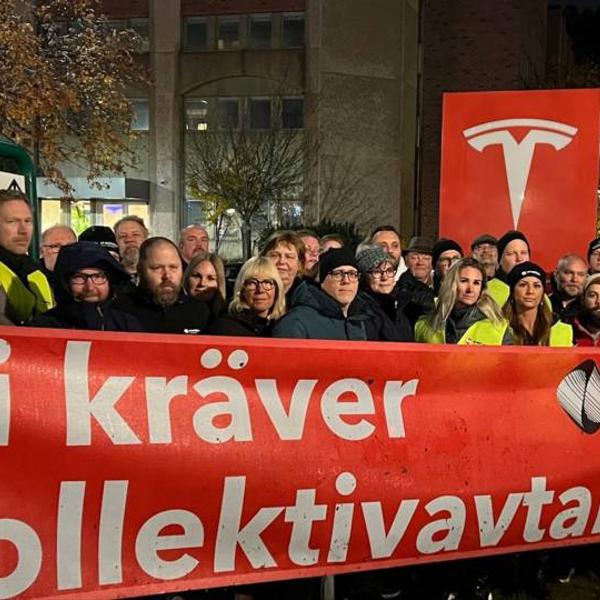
[389, 239]
[331, 240]
[258, 301]
[158, 301]
[378, 269]
[311, 252]
[569, 279]
[593, 256]
[28, 292]
[130, 232]
[528, 318]
[513, 249]
[53, 239]
[414, 288]
[204, 279]
[462, 301]
[286, 251]
[485, 250]
[87, 273]
[193, 239]
[333, 311]
[586, 325]
[444, 254]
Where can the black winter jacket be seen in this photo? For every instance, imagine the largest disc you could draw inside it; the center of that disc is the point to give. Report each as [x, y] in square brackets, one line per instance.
[245, 323]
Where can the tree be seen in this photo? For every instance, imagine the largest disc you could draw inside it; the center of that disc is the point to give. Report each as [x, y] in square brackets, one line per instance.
[63, 78]
[250, 171]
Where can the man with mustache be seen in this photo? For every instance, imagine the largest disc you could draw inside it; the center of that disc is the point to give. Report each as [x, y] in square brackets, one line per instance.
[158, 301]
[27, 290]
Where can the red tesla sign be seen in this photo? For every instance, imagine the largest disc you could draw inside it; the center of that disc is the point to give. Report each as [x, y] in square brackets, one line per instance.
[521, 160]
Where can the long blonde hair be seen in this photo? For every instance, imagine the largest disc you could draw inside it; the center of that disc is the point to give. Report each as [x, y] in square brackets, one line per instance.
[259, 266]
[448, 292]
[217, 304]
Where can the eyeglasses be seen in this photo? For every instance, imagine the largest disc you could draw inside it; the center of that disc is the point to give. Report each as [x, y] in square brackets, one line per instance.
[339, 275]
[82, 278]
[254, 284]
[54, 248]
[448, 261]
[379, 273]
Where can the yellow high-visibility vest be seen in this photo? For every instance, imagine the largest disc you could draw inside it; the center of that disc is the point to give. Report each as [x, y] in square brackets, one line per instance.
[24, 301]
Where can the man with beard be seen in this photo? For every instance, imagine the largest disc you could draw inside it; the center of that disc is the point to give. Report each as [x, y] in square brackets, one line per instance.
[86, 275]
[569, 279]
[130, 232]
[158, 301]
[586, 325]
[27, 290]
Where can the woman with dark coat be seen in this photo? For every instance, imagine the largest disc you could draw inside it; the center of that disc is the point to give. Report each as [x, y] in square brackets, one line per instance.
[258, 301]
[378, 273]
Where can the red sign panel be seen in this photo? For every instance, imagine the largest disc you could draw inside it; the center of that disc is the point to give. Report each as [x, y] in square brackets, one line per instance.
[521, 160]
[139, 464]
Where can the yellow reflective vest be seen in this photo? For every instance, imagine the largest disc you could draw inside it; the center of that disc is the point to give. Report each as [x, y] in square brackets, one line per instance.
[487, 333]
[25, 301]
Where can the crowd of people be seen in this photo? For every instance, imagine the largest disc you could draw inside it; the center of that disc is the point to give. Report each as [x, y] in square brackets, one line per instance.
[300, 285]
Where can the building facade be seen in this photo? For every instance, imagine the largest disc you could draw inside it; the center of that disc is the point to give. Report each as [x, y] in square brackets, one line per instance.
[344, 74]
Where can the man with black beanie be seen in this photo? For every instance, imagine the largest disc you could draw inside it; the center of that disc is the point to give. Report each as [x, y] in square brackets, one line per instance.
[593, 256]
[333, 311]
[513, 249]
[445, 254]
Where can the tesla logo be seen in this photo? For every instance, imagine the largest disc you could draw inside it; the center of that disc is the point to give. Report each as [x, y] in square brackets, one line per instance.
[518, 156]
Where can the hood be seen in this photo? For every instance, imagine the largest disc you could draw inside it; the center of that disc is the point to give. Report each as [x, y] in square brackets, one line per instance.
[85, 255]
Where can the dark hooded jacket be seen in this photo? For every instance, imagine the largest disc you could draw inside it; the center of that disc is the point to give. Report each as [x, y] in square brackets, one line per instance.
[72, 314]
[316, 315]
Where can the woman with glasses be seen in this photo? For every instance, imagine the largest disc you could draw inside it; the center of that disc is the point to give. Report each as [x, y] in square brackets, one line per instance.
[258, 301]
[204, 280]
[462, 302]
[377, 283]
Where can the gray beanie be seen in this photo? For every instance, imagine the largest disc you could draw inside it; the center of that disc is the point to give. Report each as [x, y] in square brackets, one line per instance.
[369, 257]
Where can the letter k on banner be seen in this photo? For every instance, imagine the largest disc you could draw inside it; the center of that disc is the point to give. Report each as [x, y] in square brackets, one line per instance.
[521, 160]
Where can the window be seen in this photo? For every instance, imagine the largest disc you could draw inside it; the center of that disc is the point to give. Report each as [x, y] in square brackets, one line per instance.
[292, 113]
[228, 33]
[141, 112]
[140, 26]
[228, 113]
[260, 113]
[195, 34]
[196, 113]
[293, 30]
[260, 31]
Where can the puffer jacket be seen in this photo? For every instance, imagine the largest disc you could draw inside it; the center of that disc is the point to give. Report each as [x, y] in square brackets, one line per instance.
[316, 315]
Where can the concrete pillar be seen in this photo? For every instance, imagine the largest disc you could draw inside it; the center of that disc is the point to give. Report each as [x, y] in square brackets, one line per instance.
[165, 135]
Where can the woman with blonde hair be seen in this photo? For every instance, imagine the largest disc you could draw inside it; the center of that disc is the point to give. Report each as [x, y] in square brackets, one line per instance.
[258, 301]
[462, 302]
[204, 279]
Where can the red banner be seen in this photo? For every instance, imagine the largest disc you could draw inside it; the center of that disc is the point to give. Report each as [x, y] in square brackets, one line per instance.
[516, 160]
[136, 464]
